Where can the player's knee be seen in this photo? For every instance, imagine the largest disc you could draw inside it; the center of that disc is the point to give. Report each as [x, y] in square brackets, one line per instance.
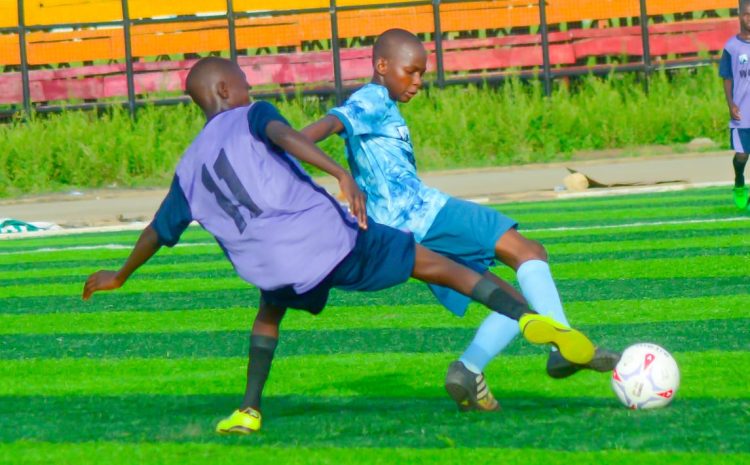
[513, 249]
[536, 251]
[741, 157]
[525, 251]
[269, 313]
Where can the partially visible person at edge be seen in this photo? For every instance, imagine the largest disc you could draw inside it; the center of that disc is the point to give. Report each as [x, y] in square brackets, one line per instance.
[734, 68]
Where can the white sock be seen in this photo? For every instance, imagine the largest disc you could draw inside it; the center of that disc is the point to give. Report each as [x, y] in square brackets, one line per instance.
[494, 335]
[539, 289]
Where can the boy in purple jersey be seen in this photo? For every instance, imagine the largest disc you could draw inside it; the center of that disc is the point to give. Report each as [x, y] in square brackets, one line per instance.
[735, 69]
[381, 158]
[287, 235]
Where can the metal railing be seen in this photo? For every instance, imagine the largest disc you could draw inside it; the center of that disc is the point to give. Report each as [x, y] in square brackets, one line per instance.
[547, 74]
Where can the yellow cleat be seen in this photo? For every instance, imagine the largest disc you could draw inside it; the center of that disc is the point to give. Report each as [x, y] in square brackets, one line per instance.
[572, 344]
[243, 422]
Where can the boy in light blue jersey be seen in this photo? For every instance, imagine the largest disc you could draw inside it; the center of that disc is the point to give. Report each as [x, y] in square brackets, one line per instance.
[734, 68]
[282, 232]
[381, 158]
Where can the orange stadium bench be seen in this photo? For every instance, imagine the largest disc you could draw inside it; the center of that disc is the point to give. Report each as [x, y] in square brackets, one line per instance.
[480, 55]
[461, 55]
[51, 47]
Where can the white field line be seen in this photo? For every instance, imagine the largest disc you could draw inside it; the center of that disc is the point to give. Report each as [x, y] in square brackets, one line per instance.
[66, 232]
[562, 228]
[96, 247]
[641, 223]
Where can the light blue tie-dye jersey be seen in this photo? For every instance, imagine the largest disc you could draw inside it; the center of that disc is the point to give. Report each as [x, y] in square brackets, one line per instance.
[381, 158]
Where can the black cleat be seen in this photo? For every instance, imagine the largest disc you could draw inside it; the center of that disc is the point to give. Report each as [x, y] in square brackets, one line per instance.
[469, 390]
[604, 360]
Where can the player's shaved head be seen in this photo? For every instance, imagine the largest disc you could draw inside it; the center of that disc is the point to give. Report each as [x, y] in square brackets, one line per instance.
[216, 84]
[399, 60]
[393, 42]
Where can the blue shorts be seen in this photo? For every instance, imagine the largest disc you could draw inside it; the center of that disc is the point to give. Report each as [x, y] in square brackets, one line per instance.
[739, 138]
[466, 233]
[382, 257]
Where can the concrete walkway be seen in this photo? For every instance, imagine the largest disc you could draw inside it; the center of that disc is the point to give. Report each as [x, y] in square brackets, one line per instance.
[528, 182]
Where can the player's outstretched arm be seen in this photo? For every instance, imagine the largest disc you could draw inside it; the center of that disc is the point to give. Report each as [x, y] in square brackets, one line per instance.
[297, 145]
[323, 128]
[105, 280]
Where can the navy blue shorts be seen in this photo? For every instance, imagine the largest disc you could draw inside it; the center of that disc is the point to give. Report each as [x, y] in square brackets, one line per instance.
[382, 257]
[466, 233]
[740, 139]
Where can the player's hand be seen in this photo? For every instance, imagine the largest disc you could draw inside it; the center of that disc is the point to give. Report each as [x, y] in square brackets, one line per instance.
[734, 112]
[356, 199]
[101, 281]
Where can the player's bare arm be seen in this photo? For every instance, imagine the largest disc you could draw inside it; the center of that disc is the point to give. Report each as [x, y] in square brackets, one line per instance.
[734, 110]
[323, 128]
[106, 280]
[301, 148]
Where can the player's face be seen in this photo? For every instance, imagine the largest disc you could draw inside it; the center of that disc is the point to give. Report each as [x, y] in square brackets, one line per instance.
[745, 18]
[238, 89]
[403, 76]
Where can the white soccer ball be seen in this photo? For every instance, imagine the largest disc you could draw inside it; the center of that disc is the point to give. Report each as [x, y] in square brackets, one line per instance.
[646, 377]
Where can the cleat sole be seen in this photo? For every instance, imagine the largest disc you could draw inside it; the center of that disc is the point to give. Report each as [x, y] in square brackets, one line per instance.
[573, 345]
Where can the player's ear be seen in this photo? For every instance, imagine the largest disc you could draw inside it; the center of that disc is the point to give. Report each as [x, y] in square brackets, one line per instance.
[222, 89]
[381, 66]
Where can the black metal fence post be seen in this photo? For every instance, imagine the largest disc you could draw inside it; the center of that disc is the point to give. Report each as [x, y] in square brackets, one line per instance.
[128, 58]
[336, 54]
[24, 60]
[546, 67]
[645, 38]
[438, 44]
[232, 37]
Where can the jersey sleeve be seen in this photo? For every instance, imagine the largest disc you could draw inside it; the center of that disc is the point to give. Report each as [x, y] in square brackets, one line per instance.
[260, 114]
[725, 65]
[173, 216]
[361, 114]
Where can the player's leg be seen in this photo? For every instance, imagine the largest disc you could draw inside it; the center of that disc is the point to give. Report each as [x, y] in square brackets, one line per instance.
[469, 389]
[740, 189]
[465, 380]
[436, 269]
[740, 142]
[467, 233]
[491, 338]
[529, 259]
[493, 335]
[263, 341]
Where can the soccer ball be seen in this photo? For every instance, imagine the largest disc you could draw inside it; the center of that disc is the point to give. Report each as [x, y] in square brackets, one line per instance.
[645, 377]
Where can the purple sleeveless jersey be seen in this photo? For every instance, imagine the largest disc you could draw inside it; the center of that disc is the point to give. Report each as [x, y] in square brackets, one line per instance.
[277, 226]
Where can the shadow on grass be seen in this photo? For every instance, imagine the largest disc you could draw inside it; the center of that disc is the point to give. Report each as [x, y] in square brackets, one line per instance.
[570, 423]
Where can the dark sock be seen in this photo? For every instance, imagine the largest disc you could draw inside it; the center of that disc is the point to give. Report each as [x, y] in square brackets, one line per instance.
[258, 367]
[739, 171]
[492, 296]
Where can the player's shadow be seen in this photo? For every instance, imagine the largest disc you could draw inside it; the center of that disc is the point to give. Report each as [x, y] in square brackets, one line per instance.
[367, 419]
[396, 394]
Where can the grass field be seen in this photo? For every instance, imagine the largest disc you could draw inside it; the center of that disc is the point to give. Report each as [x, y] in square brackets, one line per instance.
[143, 374]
